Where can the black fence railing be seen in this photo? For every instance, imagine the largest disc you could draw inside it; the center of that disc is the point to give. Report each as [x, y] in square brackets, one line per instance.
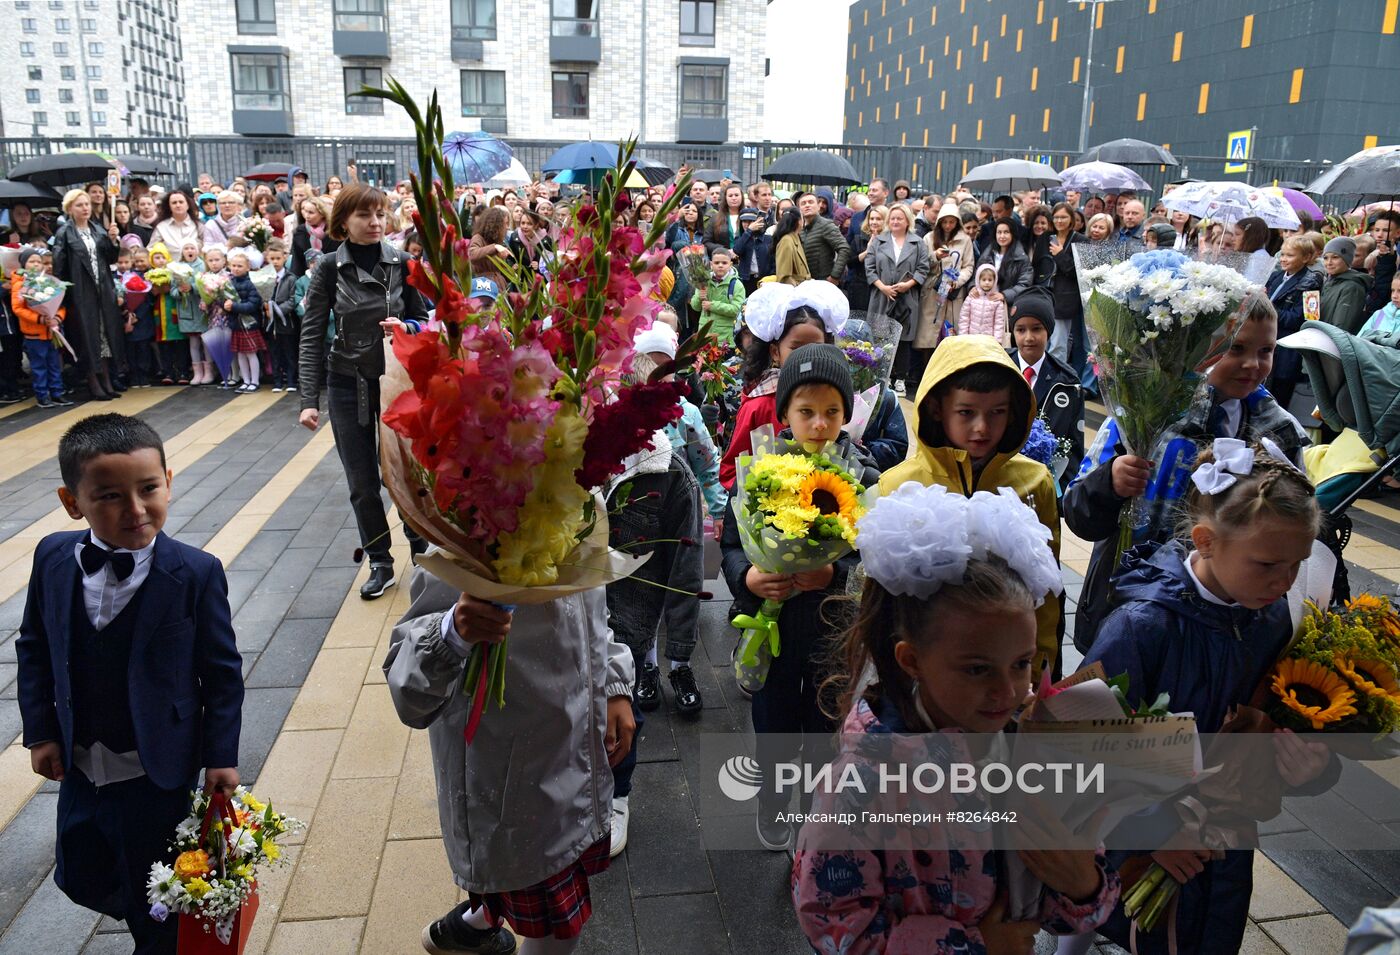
[385, 161]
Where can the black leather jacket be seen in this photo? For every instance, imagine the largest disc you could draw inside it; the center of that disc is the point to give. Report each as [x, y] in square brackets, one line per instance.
[360, 301]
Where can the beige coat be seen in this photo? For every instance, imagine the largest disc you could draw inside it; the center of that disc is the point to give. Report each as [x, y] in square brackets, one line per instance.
[933, 312]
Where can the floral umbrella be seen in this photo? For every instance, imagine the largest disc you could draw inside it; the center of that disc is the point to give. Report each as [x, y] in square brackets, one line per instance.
[1232, 201]
[1105, 177]
[476, 156]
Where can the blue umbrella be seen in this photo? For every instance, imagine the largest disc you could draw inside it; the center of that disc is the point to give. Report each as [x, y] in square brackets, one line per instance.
[475, 156]
[583, 158]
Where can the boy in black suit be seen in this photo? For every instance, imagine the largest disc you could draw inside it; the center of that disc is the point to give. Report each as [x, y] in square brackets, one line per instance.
[130, 679]
[1058, 394]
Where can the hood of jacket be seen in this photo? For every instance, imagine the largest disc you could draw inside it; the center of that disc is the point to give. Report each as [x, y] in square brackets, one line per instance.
[731, 275]
[1158, 575]
[1353, 277]
[830, 198]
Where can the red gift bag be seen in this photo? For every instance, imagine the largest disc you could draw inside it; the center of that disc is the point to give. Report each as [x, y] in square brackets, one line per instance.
[197, 935]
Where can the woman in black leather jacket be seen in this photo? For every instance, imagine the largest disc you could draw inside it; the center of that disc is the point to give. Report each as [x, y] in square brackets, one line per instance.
[364, 282]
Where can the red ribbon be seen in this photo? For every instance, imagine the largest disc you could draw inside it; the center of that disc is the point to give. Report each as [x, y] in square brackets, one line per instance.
[479, 696]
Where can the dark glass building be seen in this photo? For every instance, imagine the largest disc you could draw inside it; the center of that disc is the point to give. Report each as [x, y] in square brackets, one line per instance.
[1316, 79]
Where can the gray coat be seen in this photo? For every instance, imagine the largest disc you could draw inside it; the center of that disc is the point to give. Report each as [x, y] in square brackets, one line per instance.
[880, 264]
[534, 790]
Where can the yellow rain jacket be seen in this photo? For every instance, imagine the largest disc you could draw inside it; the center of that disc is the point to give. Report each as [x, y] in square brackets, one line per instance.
[936, 462]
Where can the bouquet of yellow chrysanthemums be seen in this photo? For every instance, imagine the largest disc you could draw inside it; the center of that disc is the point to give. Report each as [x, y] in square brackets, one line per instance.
[1340, 675]
[213, 884]
[795, 511]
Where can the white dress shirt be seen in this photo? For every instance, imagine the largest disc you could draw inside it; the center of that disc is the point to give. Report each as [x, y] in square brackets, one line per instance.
[1034, 368]
[1201, 588]
[104, 597]
[1234, 415]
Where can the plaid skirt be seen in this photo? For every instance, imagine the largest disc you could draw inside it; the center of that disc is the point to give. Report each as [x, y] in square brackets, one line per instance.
[248, 341]
[559, 906]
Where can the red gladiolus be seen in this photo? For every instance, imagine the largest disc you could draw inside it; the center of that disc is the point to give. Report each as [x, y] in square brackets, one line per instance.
[421, 278]
[625, 427]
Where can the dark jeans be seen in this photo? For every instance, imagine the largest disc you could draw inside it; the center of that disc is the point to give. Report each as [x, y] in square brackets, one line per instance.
[139, 361]
[358, 447]
[107, 839]
[175, 360]
[788, 721]
[45, 368]
[622, 772]
[283, 344]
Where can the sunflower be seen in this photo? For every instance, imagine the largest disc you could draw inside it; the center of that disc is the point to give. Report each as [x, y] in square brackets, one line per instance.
[1313, 692]
[1372, 677]
[829, 494]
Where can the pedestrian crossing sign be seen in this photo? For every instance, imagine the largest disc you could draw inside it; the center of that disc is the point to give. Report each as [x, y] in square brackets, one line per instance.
[1239, 147]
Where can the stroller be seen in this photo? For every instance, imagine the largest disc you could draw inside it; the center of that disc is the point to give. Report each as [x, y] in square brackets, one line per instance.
[1354, 382]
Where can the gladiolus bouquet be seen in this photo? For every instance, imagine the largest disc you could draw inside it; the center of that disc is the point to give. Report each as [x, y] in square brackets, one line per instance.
[500, 426]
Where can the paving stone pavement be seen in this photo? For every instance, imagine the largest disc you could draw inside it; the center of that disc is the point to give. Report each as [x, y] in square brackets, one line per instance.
[321, 739]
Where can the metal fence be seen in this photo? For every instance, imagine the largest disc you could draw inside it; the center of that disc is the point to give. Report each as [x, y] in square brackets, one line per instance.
[936, 169]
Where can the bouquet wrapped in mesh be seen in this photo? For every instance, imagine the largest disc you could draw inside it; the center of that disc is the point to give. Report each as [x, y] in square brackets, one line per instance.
[796, 511]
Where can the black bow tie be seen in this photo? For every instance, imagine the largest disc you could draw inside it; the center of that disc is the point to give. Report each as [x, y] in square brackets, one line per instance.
[94, 558]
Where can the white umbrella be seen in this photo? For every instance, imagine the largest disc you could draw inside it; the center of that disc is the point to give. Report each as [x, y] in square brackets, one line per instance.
[1231, 202]
[1011, 175]
[513, 175]
[1103, 177]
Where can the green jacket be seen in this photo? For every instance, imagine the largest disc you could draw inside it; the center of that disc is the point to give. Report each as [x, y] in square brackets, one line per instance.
[1344, 300]
[726, 298]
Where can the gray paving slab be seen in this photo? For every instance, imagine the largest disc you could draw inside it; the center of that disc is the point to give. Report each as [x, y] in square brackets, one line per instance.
[109, 943]
[666, 854]
[240, 586]
[684, 925]
[290, 571]
[7, 675]
[264, 711]
[288, 656]
[10, 723]
[49, 922]
[612, 930]
[27, 846]
[323, 593]
[262, 611]
[262, 552]
[756, 901]
[1335, 880]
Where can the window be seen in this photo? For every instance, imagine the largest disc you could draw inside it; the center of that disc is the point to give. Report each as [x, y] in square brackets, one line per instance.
[570, 95]
[60, 48]
[260, 81]
[356, 77]
[94, 72]
[31, 96]
[704, 91]
[65, 96]
[26, 49]
[55, 4]
[21, 4]
[62, 25]
[41, 118]
[99, 96]
[473, 19]
[94, 49]
[73, 117]
[36, 72]
[361, 15]
[68, 73]
[574, 18]
[91, 5]
[697, 22]
[484, 96]
[29, 25]
[256, 16]
[99, 118]
[88, 25]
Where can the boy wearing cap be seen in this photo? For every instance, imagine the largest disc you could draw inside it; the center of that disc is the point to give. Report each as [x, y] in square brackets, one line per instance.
[1345, 290]
[1058, 394]
[45, 363]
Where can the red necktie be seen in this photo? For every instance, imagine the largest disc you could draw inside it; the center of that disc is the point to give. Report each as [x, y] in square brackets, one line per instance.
[1029, 372]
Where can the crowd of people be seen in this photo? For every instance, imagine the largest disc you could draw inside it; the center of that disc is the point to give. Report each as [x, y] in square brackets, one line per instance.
[979, 305]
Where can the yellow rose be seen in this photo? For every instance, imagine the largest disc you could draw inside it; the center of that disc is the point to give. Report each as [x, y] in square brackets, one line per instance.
[191, 864]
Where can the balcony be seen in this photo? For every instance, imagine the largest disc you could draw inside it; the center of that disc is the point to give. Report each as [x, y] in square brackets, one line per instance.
[361, 29]
[575, 40]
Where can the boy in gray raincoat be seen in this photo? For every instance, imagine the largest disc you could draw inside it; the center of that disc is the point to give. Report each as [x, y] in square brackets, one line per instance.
[525, 809]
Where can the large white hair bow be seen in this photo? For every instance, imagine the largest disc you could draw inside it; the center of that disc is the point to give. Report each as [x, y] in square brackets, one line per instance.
[1233, 459]
[825, 299]
[919, 538]
[766, 310]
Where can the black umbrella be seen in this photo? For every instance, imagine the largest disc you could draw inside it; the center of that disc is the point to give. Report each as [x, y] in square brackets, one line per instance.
[62, 169]
[1129, 152]
[272, 171]
[1372, 173]
[815, 166]
[707, 176]
[655, 173]
[28, 193]
[1290, 184]
[139, 167]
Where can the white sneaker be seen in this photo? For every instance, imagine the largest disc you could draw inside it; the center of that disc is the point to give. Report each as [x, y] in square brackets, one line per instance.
[276, 389]
[620, 812]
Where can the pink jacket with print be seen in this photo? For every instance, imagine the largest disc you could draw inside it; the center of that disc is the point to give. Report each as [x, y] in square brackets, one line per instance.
[910, 900]
[982, 316]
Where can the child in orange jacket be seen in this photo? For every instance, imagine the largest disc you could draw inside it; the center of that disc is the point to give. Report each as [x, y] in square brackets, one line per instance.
[45, 363]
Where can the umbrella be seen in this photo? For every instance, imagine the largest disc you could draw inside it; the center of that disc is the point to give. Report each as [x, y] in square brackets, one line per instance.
[1011, 175]
[62, 169]
[1371, 172]
[476, 156]
[1130, 152]
[1290, 184]
[655, 173]
[1103, 177]
[586, 157]
[513, 175]
[141, 167]
[710, 176]
[1232, 201]
[27, 193]
[272, 171]
[1298, 201]
[814, 166]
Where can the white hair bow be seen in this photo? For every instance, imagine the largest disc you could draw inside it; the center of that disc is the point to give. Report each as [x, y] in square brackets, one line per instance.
[1233, 459]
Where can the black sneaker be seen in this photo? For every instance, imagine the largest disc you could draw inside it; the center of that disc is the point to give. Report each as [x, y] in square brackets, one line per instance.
[647, 693]
[775, 834]
[451, 934]
[687, 694]
[10, 399]
[43, 403]
[381, 578]
[61, 401]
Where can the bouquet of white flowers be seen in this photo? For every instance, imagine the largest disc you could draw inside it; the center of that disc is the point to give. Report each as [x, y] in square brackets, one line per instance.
[258, 231]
